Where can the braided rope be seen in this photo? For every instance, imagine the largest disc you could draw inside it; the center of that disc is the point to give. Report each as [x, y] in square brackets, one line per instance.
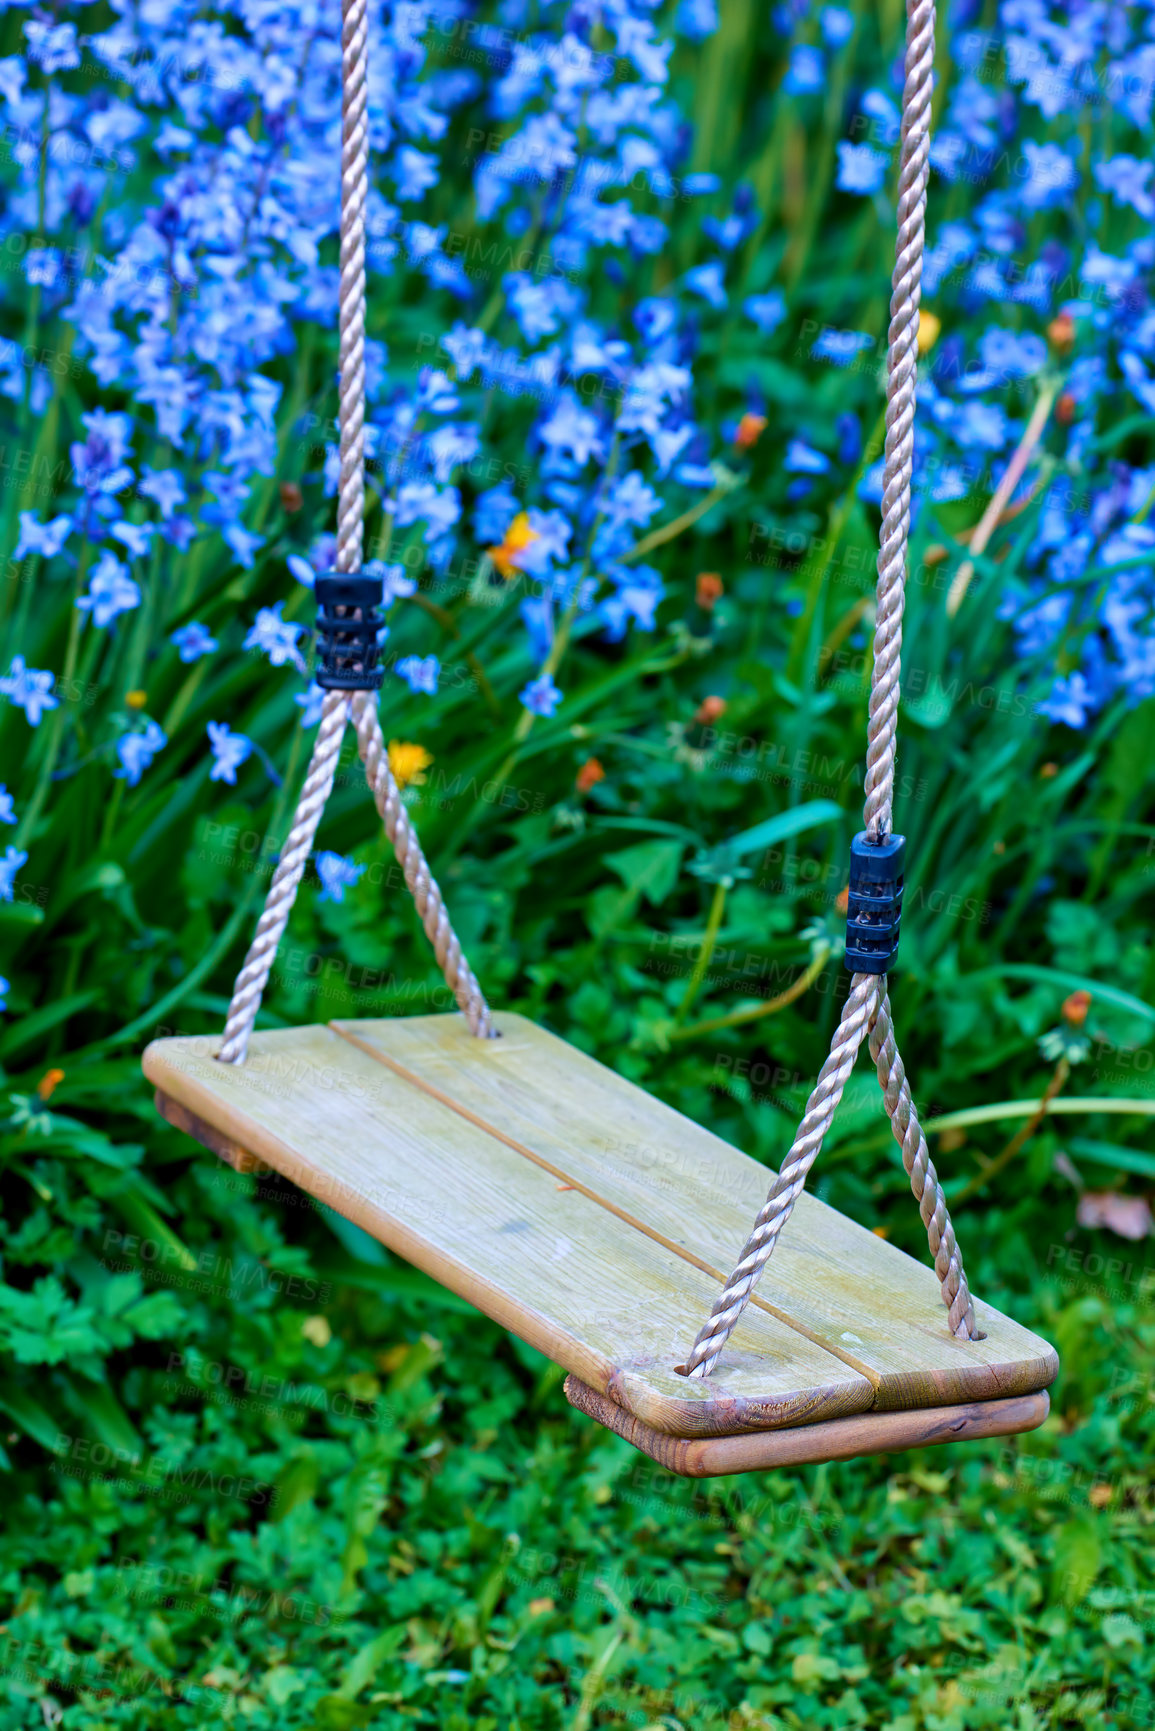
[920, 1170]
[867, 1009]
[351, 292]
[902, 360]
[857, 1014]
[254, 974]
[422, 884]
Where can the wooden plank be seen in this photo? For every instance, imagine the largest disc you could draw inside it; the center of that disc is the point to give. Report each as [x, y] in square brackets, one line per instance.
[842, 1286]
[841, 1439]
[540, 1257]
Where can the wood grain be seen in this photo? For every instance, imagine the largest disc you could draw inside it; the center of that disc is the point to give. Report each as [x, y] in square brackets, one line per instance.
[870, 1433]
[830, 1279]
[539, 1256]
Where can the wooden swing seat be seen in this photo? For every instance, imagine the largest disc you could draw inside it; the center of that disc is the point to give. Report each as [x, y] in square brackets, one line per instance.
[593, 1221]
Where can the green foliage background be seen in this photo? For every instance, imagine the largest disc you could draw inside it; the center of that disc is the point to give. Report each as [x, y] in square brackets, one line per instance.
[259, 1472]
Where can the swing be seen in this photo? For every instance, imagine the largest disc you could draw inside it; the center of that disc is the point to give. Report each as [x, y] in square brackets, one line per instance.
[556, 1196]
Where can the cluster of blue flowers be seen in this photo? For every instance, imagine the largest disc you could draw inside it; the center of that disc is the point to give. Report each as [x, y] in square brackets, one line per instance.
[176, 174]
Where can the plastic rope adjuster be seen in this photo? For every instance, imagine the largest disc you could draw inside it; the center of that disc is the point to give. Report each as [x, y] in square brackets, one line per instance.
[874, 903]
[348, 620]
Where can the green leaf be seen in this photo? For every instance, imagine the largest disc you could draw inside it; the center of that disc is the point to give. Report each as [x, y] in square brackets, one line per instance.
[33, 1027]
[649, 870]
[36, 1420]
[296, 1484]
[1111, 1154]
[1078, 1553]
[366, 1664]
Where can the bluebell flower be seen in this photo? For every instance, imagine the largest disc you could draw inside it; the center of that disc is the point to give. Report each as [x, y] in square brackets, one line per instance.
[697, 19]
[44, 539]
[10, 864]
[419, 673]
[708, 280]
[230, 750]
[1012, 354]
[841, 347]
[629, 499]
[541, 696]
[766, 311]
[7, 806]
[396, 584]
[417, 500]
[466, 348]
[860, 169]
[803, 459]
[337, 874]
[165, 488]
[492, 514]
[450, 446]
[53, 47]
[879, 107]
[98, 464]
[192, 641]
[573, 429]
[134, 536]
[111, 592]
[5, 988]
[300, 568]
[244, 543]
[275, 637]
[837, 25]
[1051, 176]
[42, 266]
[1126, 179]
[310, 701]
[30, 688]
[1069, 701]
[414, 173]
[807, 71]
[137, 750]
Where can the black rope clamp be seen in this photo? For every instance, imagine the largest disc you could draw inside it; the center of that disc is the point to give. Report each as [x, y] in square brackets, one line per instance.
[348, 620]
[874, 904]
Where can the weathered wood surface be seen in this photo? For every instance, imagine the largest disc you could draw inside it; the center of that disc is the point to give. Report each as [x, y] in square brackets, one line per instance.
[592, 1220]
[531, 1251]
[840, 1439]
[841, 1285]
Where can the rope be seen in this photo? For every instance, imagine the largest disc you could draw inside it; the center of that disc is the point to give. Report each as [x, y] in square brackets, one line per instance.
[335, 710]
[422, 884]
[867, 1008]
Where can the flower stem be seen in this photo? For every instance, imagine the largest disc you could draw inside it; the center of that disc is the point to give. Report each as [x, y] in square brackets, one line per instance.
[713, 925]
[737, 1017]
[1018, 1140]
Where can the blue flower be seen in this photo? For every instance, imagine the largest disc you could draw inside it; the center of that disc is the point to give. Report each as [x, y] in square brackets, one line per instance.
[7, 807]
[45, 539]
[134, 536]
[396, 584]
[572, 429]
[541, 696]
[275, 637]
[111, 592]
[414, 173]
[466, 348]
[10, 864]
[860, 169]
[52, 46]
[1012, 354]
[420, 674]
[807, 71]
[1069, 701]
[229, 750]
[137, 750]
[837, 25]
[311, 701]
[708, 280]
[803, 459]
[1051, 175]
[192, 641]
[98, 464]
[29, 687]
[5, 988]
[840, 347]
[415, 500]
[165, 488]
[766, 311]
[493, 513]
[337, 874]
[697, 19]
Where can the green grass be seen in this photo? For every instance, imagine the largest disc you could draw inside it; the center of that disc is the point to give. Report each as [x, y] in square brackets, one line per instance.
[256, 1470]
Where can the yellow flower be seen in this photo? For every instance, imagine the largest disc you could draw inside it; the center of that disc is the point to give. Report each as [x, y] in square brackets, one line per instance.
[928, 331]
[136, 699]
[517, 538]
[408, 762]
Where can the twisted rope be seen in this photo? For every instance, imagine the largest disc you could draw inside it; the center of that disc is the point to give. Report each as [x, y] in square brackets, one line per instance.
[902, 360]
[920, 1170]
[788, 1186]
[422, 884]
[351, 290]
[253, 977]
[251, 980]
[867, 1009]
